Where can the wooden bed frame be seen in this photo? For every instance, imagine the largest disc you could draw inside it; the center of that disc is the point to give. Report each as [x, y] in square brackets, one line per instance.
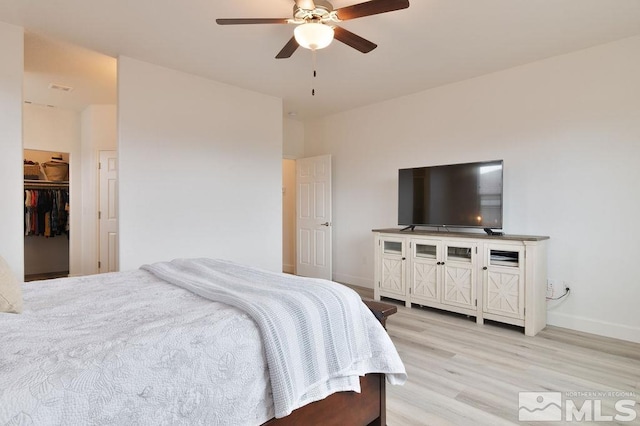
[348, 408]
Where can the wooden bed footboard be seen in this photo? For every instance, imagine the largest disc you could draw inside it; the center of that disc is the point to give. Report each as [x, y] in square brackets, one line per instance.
[343, 408]
[367, 408]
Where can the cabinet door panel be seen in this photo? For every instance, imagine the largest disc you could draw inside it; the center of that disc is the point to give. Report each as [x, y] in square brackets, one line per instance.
[425, 280]
[392, 276]
[503, 294]
[425, 274]
[459, 286]
[391, 268]
[504, 281]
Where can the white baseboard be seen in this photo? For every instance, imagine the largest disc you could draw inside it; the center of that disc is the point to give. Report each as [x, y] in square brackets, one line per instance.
[601, 328]
[353, 280]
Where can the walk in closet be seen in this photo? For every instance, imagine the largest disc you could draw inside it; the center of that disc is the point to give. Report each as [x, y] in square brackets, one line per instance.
[69, 112]
[47, 211]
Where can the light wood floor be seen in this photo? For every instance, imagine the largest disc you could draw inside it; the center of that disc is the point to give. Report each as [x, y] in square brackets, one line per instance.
[461, 373]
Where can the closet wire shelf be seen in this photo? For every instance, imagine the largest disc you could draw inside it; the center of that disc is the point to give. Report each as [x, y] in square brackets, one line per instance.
[42, 184]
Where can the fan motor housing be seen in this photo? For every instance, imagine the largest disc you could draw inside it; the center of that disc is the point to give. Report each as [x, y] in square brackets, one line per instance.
[321, 12]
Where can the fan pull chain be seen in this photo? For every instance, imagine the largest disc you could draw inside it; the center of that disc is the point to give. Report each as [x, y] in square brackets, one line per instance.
[313, 59]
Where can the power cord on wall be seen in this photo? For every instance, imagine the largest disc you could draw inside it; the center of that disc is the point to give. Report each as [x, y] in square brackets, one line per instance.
[566, 292]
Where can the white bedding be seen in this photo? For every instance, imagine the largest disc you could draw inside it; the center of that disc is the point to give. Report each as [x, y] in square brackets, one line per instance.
[317, 334]
[128, 348]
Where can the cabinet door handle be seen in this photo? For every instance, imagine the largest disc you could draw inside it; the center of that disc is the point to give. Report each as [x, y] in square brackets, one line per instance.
[324, 224]
[404, 258]
[484, 268]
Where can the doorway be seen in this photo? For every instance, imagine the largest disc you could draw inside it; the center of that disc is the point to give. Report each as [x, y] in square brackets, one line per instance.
[70, 96]
[289, 216]
[47, 210]
[307, 217]
[314, 217]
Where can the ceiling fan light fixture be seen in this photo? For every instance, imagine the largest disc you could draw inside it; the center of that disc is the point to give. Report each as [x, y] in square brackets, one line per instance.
[313, 35]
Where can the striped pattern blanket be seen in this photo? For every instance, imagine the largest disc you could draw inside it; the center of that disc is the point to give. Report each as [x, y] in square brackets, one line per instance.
[316, 333]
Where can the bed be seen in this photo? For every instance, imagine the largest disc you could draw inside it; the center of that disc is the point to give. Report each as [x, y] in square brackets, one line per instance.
[193, 341]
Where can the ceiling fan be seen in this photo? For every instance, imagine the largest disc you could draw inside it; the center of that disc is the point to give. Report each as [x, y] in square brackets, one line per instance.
[316, 23]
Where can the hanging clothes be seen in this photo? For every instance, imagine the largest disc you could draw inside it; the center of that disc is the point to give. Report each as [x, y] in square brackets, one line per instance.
[46, 212]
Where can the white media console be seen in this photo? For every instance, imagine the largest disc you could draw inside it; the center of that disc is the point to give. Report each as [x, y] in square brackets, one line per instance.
[500, 278]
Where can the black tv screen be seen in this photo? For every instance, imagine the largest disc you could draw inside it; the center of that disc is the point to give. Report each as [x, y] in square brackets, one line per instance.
[455, 195]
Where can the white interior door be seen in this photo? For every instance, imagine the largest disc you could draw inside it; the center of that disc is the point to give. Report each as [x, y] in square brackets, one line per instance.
[108, 212]
[313, 217]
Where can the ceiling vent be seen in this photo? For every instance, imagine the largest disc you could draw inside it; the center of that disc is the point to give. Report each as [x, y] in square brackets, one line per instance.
[60, 87]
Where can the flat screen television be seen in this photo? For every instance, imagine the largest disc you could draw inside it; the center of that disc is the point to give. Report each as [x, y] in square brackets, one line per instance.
[457, 195]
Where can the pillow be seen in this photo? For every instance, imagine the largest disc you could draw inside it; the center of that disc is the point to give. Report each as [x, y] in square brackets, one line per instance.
[10, 292]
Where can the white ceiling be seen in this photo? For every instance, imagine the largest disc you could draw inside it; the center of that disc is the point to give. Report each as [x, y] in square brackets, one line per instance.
[91, 75]
[432, 43]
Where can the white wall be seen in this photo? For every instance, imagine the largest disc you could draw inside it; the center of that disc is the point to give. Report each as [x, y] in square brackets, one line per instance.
[58, 130]
[293, 139]
[98, 133]
[200, 166]
[11, 170]
[568, 129]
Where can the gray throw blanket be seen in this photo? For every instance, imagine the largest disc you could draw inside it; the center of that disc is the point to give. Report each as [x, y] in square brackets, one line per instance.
[314, 331]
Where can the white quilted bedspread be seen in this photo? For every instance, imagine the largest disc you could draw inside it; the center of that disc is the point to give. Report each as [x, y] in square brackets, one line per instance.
[129, 349]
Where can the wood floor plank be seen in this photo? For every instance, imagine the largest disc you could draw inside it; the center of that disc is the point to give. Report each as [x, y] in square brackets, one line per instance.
[462, 373]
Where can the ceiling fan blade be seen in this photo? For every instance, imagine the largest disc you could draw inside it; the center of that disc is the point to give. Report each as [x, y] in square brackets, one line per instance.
[243, 21]
[353, 40]
[372, 7]
[288, 49]
[306, 4]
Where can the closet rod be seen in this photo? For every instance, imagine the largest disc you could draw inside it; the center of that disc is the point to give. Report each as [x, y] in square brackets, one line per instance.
[44, 184]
